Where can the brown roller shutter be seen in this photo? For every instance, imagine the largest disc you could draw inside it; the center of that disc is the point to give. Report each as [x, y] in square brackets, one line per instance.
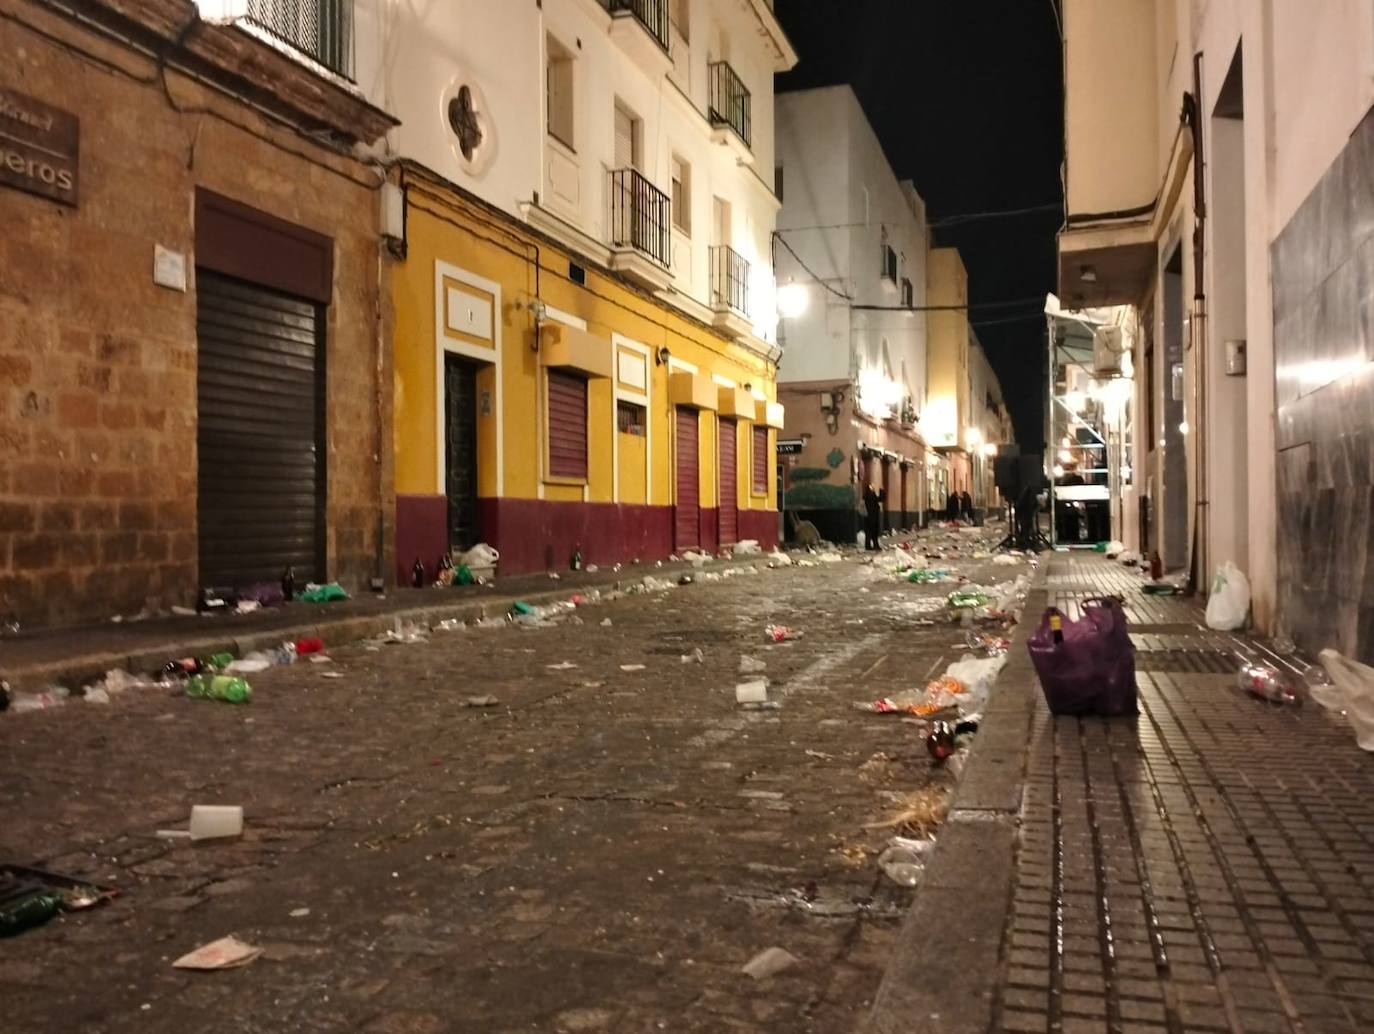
[688, 527]
[567, 425]
[729, 483]
[760, 459]
[260, 394]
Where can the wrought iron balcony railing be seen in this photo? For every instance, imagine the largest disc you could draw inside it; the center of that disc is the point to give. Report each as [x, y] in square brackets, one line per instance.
[652, 14]
[729, 100]
[319, 29]
[640, 216]
[729, 279]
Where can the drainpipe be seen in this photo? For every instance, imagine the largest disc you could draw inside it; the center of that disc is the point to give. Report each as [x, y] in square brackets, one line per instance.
[1197, 574]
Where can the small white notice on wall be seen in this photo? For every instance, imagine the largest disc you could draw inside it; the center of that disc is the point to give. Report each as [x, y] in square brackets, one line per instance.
[169, 268]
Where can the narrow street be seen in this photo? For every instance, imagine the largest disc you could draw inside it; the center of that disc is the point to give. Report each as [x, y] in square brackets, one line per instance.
[601, 850]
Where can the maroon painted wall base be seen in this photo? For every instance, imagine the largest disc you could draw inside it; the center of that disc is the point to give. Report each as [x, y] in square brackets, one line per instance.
[421, 530]
[538, 535]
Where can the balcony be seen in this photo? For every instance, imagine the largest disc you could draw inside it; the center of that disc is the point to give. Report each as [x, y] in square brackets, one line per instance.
[321, 30]
[730, 291]
[729, 108]
[640, 27]
[641, 242]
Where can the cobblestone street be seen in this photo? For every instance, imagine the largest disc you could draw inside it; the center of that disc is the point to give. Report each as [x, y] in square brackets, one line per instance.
[602, 850]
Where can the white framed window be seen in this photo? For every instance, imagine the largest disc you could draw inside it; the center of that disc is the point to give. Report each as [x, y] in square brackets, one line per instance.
[559, 88]
[629, 134]
[680, 14]
[682, 196]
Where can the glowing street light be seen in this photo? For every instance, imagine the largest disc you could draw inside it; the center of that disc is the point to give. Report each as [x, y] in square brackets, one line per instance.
[793, 299]
[973, 437]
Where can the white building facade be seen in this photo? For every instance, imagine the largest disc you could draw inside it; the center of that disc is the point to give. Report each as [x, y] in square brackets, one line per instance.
[636, 132]
[852, 249]
[1218, 169]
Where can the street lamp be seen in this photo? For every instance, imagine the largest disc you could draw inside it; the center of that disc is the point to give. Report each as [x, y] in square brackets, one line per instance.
[793, 298]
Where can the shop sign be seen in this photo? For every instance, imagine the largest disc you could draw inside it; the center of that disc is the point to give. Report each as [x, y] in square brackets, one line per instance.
[38, 147]
[789, 446]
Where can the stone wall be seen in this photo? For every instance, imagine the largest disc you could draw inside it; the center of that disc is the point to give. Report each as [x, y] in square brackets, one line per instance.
[1323, 280]
[98, 460]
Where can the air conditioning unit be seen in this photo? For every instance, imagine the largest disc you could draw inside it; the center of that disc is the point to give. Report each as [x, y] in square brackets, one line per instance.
[1108, 344]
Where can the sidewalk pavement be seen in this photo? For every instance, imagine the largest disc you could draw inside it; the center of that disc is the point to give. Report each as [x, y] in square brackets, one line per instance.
[1206, 867]
[72, 656]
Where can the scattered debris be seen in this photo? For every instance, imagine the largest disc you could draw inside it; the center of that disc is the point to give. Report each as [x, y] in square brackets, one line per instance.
[1267, 683]
[482, 701]
[561, 666]
[780, 633]
[695, 657]
[904, 860]
[769, 962]
[752, 692]
[632, 667]
[225, 953]
[299, 913]
[751, 665]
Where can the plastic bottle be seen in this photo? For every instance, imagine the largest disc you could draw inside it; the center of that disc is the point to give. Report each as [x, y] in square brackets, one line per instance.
[288, 584]
[576, 564]
[219, 687]
[417, 574]
[310, 644]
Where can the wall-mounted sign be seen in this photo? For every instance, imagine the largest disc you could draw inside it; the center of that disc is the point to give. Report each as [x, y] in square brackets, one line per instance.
[789, 446]
[38, 147]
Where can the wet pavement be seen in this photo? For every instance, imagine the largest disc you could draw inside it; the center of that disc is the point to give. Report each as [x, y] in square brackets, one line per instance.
[1208, 866]
[602, 850]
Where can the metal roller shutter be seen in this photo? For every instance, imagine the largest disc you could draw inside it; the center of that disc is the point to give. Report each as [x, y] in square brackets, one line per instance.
[688, 527]
[760, 459]
[729, 482]
[260, 398]
[567, 425]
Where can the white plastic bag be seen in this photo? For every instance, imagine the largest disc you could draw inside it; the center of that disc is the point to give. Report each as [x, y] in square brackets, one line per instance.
[1352, 691]
[1229, 603]
[479, 556]
[746, 547]
[977, 674]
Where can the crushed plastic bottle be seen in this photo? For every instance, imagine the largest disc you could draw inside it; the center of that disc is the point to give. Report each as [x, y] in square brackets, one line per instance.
[904, 860]
[1267, 683]
[228, 688]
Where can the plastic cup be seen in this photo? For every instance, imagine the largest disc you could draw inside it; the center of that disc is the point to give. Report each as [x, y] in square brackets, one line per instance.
[210, 821]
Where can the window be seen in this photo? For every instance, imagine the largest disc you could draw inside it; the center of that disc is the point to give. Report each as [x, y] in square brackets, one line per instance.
[628, 134]
[679, 13]
[777, 180]
[760, 460]
[629, 418]
[720, 218]
[682, 195]
[908, 294]
[567, 425]
[559, 86]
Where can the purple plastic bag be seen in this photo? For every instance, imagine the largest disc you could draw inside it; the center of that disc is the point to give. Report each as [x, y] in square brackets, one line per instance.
[1092, 672]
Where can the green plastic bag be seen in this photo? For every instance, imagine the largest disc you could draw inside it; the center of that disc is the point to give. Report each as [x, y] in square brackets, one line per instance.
[323, 593]
[463, 575]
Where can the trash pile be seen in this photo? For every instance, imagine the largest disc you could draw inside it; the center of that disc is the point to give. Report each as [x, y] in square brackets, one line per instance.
[961, 692]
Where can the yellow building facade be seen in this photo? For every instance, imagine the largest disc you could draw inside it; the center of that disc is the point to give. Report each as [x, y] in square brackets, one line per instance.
[551, 408]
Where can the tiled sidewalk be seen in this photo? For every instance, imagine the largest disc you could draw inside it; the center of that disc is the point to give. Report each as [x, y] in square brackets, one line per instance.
[1209, 867]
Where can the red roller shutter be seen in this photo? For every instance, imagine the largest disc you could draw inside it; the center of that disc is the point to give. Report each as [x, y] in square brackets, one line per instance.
[760, 459]
[729, 483]
[688, 530]
[567, 425]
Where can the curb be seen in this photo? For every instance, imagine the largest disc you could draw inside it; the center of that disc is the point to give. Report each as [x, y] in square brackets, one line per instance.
[74, 671]
[946, 965]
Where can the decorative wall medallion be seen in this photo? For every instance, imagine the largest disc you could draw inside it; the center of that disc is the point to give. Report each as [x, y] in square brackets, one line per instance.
[462, 119]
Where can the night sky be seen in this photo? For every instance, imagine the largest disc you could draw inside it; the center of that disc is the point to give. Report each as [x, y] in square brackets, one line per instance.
[966, 99]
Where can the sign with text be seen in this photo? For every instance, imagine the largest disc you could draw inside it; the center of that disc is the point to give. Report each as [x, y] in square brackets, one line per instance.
[789, 446]
[38, 147]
